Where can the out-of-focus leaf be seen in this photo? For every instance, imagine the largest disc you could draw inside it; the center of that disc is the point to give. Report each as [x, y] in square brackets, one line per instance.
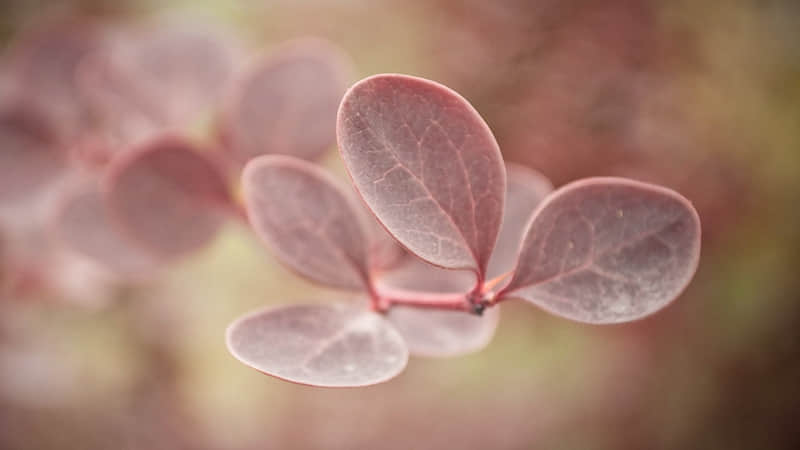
[155, 76]
[307, 219]
[525, 189]
[31, 156]
[83, 224]
[286, 102]
[168, 196]
[607, 250]
[42, 62]
[427, 165]
[319, 345]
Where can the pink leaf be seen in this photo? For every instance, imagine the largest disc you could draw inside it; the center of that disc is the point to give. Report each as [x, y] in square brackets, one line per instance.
[607, 250]
[82, 223]
[30, 154]
[438, 333]
[525, 189]
[427, 165]
[174, 70]
[167, 196]
[384, 252]
[286, 103]
[43, 60]
[329, 346]
[307, 219]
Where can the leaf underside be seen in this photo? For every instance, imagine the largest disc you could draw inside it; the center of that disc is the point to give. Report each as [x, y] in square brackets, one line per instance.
[167, 196]
[427, 165]
[319, 345]
[525, 189]
[307, 219]
[438, 333]
[607, 250]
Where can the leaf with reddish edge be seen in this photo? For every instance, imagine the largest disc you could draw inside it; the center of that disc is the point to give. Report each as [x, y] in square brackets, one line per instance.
[286, 102]
[319, 345]
[428, 167]
[437, 333]
[525, 189]
[31, 156]
[607, 250]
[307, 219]
[83, 224]
[168, 196]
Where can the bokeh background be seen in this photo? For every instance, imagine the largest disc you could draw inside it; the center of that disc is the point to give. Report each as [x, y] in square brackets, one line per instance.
[702, 96]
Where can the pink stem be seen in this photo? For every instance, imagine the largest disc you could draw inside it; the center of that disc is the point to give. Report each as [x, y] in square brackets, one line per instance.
[459, 301]
[471, 302]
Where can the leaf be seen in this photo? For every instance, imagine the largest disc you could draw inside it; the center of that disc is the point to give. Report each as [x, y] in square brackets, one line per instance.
[43, 60]
[83, 224]
[307, 219]
[319, 345]
[172, 70]
[438, 333]
[525, 189]
[286, 102]
[31, 157]
[168, 196]
[384, 252]
[607, 250]
[428, 167]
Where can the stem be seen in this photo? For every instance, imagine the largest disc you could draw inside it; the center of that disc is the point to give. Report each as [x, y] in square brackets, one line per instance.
[457, 301]
[473, 302]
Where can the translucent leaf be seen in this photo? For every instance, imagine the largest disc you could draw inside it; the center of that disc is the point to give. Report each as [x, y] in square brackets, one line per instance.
[83, 224]
[606, 250]
[167, 196]
[438, 333]
[286, 102]
[307, 219]
[525, 189]
[319, 345]
[30, 154]
[125, 115]
[427, 165]
[384, 252]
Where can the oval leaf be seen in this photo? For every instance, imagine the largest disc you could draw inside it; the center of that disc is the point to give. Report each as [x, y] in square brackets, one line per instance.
[30, 154]
[286, 103]
[167, 196]
[83, 224]
[525, 189]
[307, 219]
[438, 333]
[607, 250]
[319, 345]
[428, 167]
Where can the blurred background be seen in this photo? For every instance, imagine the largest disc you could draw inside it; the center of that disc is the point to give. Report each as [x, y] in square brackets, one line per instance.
[703, 97]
